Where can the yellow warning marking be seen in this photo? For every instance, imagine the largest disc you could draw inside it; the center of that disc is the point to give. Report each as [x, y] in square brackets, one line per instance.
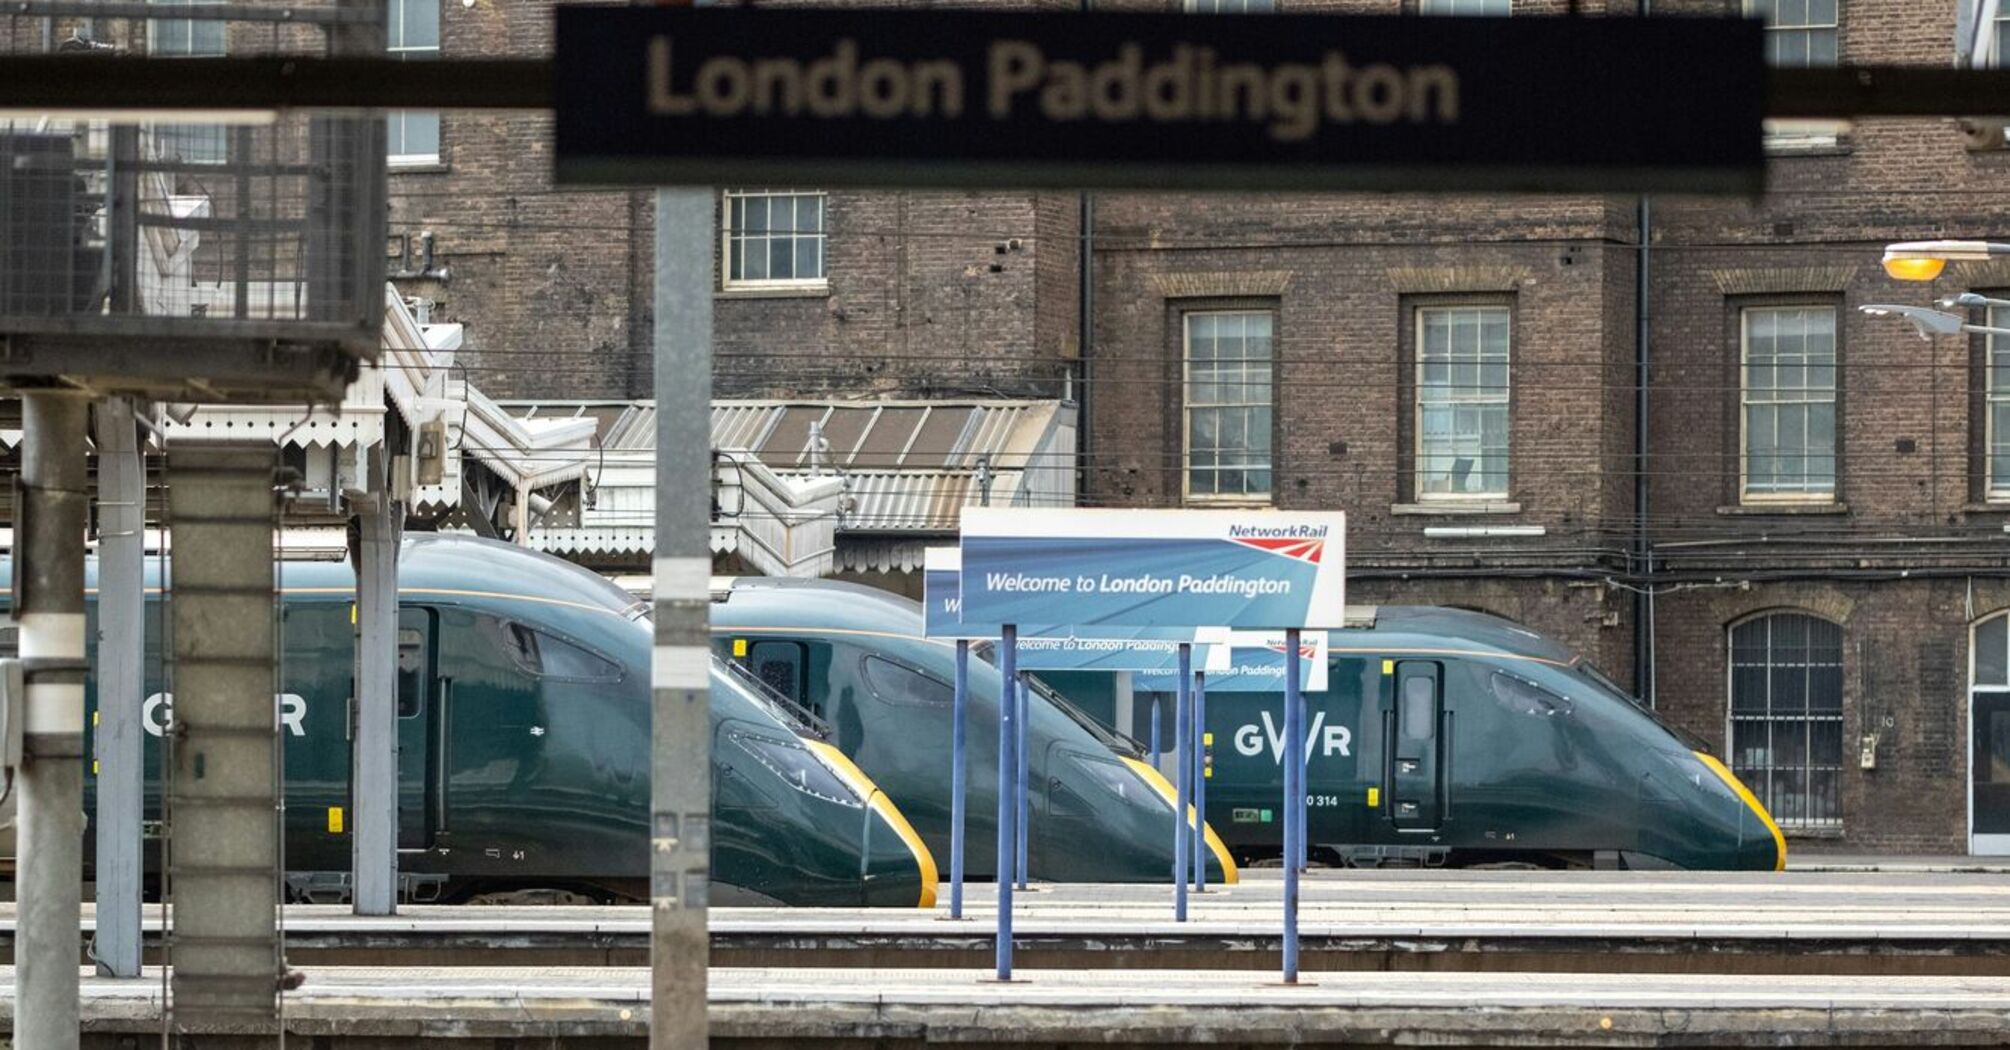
[1374, 797]
[739, 647]
[1157, 782]
[94, 767]
[1388, 667]
[1207, 738]
[848, 771]
[334, 820]
[352, 614]
[1758, 808]
[94, 718]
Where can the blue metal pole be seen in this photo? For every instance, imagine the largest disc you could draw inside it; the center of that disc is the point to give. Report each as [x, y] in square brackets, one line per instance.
[1304, 785]
[1294, 800]
[1008, 734]
[959, 773]
[1020, 749]
[1156, 750]
[1200, 781]
[1182, 768]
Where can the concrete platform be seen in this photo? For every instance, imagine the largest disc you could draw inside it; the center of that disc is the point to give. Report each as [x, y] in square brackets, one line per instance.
[1791, 923]
[892, 1009]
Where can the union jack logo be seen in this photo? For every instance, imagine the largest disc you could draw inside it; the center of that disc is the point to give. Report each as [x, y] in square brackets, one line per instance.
[1302, 550]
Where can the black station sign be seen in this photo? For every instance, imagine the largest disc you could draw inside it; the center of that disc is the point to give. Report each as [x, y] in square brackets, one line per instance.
[1157, 101]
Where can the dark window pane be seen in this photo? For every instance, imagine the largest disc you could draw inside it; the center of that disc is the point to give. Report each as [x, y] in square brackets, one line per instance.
[902, 685]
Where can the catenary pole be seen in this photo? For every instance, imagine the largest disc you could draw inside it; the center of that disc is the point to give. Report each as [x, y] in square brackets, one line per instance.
[681, 703]
[1200, 781]
[1008, 672]
[1294, 800]
[119, 741]
[1019, 753]
[959, 775]
[49, 583]
[1182, 769]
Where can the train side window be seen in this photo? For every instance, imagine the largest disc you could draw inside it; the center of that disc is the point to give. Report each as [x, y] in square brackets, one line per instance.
[903, 685]
[520, 643]
[1524, 697]
[411, 671]
[1420, 696]
[562, 659]
[780, 666]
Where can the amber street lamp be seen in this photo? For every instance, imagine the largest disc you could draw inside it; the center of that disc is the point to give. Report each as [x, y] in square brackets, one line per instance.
[1923, 260]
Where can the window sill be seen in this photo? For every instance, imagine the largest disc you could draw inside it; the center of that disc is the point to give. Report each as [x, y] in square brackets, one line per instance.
[1789, 150]
[1456, 507]
[1805, 834]
[428, 168]
[819, 290]
[1784, 508]
[1227, 503]
[1986, 508]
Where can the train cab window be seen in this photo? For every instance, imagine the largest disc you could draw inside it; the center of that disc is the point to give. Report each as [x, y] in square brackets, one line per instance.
[902, 685]
[1524, 697]
[546, 656]
[781, 666]
[797, 767]
[411, 671]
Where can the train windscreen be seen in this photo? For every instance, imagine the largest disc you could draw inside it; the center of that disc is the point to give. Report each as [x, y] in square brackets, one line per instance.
[1115, 741]
[1599, 678]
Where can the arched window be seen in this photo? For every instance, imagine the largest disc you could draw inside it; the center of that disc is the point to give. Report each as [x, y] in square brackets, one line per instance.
[1786, 716]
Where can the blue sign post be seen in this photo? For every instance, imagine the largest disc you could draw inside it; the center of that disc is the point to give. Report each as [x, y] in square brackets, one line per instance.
[941, 602]
[1199, 779]
[1097, 568]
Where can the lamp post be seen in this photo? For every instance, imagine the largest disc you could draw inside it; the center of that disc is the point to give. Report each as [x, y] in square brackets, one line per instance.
[1924, 260]
[1930, 322]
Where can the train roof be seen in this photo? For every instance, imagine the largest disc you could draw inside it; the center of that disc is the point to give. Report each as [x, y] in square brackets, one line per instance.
[1383, 627]
[447, 563]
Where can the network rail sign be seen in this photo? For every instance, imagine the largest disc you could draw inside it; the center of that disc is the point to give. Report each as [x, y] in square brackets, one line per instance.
[1142, 568]
[1159, 101]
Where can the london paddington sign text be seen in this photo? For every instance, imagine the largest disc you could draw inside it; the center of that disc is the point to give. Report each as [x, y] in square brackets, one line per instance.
[1166, 101]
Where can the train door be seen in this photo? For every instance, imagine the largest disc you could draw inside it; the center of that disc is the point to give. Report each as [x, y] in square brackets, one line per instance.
[784, 666]
[419, 731]
[1414, 776]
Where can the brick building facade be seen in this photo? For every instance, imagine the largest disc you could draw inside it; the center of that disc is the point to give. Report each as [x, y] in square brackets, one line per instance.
[1812, 577]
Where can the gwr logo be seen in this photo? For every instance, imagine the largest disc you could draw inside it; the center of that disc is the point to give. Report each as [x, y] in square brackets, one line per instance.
[1331, 740]
[157, 713]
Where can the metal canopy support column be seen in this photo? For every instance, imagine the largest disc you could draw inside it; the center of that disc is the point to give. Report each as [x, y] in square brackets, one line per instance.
[959, 776]
[1008, 737]
[680, 785]
[225, 850]
[120, 738]
[1022, 696]
[1294, 800]
[49, 583]
[379, 519]
[1200, 781]
[1182, 769]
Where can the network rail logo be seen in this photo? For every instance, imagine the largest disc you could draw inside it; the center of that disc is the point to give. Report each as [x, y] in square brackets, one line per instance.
[1306, 543]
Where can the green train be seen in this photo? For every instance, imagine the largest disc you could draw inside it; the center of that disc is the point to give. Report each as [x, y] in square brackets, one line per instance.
[1446, 737]
[1459, 738]
[523, 733]
[855, 658]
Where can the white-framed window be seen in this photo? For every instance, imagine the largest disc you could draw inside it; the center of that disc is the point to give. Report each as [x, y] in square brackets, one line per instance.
[1799, 32]
[412, 31]
[188, 38]
[1996, 409]
[1788, 412]
[774, 238]
[1488, 8]
[1230, 7]
[1786, 715]
[1229, 360]
[1462, 402]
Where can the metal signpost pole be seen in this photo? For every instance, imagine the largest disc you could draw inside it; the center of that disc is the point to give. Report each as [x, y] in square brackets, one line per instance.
[1019, 754]
[680, 790]
[1298, 812]
[1294, 800]
[959, 772]
[1200, 781]
[1181, 770]
[120, 737]
[1008, 672]
[1156, 752]
[49, 582]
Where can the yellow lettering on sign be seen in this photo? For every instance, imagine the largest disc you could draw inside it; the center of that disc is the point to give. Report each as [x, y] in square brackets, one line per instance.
[1374, 797]
[739, 647]
[335, 820]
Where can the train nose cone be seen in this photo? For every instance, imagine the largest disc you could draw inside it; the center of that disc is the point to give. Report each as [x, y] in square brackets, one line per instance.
[899, 871]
